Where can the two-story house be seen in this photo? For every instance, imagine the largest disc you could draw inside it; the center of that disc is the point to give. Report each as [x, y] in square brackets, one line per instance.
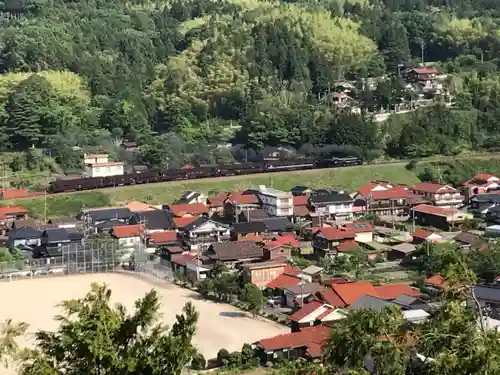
[262, 273]
[481, 183]
[439, 195]
[426, 78]
[389, 201]
[481, 204]
[276, 202]
[192, 197]
[203, 232]
[128, 236]
[98, 165]
[105, 219]
[328, 204]
[238, 202]
[24, 236]
[330, 241]
[233, 253]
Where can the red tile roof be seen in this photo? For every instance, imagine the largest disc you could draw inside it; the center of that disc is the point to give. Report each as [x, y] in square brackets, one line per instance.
[328, 295]
[437, 281]
[397, 192]
[365, 190]
[310, 337]
[305, 310]
[183, 259]
[9, 210]
[124, 231]
[433, 210]
[159, 238]
[15, 193]
[334, 233]
[422, 234]
[484, 176]
[393, 291]
[430, 187]
[284, 281]
[181, 222]
[217, 200]
[239, 198]
[347, 246]
[175, 249]
[350, 292]
[286, 239]
[300, 200]
[180, 210]
[429, 70]
[294, 271]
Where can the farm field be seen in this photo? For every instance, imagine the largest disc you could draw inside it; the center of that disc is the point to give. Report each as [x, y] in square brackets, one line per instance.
[219, 326]
[348, 178]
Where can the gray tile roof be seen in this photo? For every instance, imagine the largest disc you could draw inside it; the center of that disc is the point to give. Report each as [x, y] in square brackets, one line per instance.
[484, 292]
[234, 250]
[369, 302]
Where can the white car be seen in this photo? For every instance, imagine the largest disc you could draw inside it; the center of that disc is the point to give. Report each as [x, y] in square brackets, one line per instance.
[275, 301]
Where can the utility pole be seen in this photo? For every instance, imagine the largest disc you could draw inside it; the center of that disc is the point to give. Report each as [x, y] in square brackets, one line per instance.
[45, 204]
[422, 48]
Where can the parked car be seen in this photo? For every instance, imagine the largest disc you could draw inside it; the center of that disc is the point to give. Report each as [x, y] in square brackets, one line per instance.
[275, 301]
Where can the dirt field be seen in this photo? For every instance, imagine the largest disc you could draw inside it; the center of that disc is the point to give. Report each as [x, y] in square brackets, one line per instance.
[219, 326]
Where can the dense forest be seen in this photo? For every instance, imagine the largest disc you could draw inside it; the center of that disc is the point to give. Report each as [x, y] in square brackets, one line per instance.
[179, 77]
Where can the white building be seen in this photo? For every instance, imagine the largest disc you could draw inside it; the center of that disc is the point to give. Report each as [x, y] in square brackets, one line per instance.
[111, 168]
[98, 165]
[276, 202]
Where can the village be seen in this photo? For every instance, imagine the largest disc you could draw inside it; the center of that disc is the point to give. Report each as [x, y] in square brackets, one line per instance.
[316, 254]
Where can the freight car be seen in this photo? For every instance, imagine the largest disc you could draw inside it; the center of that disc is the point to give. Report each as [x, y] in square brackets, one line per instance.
[91, 183]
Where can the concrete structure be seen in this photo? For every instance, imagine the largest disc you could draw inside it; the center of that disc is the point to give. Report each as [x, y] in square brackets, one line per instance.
[98, 165]
[276, 202]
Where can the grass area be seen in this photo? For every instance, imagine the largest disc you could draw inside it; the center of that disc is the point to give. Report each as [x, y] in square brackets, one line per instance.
[167, 192]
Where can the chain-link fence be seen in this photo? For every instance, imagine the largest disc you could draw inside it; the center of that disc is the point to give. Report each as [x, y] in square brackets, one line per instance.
[92, 256]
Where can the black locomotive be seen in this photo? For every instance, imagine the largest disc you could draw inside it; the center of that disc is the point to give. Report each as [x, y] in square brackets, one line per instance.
[91, 183]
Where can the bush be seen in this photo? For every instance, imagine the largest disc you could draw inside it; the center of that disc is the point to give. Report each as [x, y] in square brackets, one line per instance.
[411, 165]
[198, 362]
[222, 357]
[235, 360]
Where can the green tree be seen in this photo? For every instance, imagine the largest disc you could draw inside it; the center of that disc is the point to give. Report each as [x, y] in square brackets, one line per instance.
[96, 338]
[253, 296]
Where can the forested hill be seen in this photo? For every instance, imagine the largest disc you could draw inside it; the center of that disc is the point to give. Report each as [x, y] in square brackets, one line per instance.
[179, 76]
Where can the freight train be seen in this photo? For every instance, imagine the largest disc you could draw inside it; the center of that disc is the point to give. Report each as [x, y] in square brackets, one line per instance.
[91, 183]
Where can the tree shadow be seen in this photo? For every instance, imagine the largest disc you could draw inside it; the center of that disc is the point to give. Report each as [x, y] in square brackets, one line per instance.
[232, 314]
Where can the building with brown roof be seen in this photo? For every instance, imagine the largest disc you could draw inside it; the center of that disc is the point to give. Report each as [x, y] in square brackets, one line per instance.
[128, 235]
[234, 252]
[479, 184]
[307, 343]
[11, 213]
[169, 237]
[183, 210]
[421, 235]
[329, 241]
[238, 202]
[439, 217]
[439, 194]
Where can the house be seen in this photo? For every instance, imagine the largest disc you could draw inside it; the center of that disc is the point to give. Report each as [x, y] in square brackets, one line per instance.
[188, 209]
[192, 197]
[153, 221]
[277, 225]
[140, 207]
[129, 236]
[426, 236]
[262, 273]
[313, 313]
[239, 231]
[350, 292]
[238, 202]
[336, 205]
[280, 246]
[10, 213]
[251, 215]
[402, 251]
[439, 194]
[386, 201]
[215, 203]
[407, 302]
[393, 291]
[188, 266]
[301, 209]
[166, 238]
[167, 253]
[488, 298]
[435, 282]
[94, 217]
[363, 232]
[307, 343]
[299, 292]
[467, 240]
[275, 202]
[67, 223]
[98, 165]
[329, 241]
[300, 191]
[492, 215]
[481, 204]
[55, 237]
[181, 222]
[370, 303]
[233, 253]
[439, 217]
[287, 279]
[311, 273]
[479, 184]
[26, 236]
[425, 78]
[202, 232]
[340, 99]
